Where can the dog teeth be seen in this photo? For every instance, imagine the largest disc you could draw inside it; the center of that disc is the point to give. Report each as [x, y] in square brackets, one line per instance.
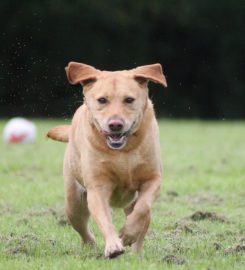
[116, 139]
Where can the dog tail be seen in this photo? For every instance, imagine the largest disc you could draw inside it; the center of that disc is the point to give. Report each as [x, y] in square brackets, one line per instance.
[59, 133]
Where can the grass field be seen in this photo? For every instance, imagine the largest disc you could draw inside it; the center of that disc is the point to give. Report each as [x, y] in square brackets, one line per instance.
[198, 221]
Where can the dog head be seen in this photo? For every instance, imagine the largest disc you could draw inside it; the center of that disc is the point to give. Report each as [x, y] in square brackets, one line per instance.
[116, 100]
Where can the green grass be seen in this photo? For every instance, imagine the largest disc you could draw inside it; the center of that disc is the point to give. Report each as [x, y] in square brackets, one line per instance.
[204, 167]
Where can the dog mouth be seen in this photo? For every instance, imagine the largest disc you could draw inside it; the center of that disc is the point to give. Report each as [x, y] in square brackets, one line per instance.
[116, 140]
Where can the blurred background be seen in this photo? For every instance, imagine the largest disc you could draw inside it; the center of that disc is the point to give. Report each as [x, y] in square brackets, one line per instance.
[200, 44]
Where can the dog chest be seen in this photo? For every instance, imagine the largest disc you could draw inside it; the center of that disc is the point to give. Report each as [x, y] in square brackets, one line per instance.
[126, 171]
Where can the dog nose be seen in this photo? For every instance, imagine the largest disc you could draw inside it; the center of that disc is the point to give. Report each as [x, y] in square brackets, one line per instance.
[115, 125]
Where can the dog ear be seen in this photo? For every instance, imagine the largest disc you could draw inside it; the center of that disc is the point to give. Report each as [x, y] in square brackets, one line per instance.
[153, 73]
[81, 73]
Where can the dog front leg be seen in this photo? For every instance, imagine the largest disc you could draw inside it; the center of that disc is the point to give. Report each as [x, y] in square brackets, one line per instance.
[98, 204]
[138, 220]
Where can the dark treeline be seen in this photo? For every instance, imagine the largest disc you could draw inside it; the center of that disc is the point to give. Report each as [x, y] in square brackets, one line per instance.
[201, 45]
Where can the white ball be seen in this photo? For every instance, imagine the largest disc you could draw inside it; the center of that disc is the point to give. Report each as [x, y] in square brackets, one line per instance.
[19, 130]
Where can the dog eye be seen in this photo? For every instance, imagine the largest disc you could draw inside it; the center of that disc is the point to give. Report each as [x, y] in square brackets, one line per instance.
[129, 100]
[102, 100]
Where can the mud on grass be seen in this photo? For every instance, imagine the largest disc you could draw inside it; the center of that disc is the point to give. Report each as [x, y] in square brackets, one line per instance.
[197, 223]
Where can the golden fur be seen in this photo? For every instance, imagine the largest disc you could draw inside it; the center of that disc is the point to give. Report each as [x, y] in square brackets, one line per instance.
[98, 176]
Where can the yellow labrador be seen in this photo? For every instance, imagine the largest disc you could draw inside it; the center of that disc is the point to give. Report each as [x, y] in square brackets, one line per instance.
[113, 154]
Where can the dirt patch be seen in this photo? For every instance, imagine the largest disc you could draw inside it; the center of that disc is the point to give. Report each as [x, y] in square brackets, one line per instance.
[57, 213]
[19, 244]
[205, 215]
[169, 196]
[186, 226]
[217, 246]
[20, 249]
[242, 239]
[235, 249]
[172, 193]
[181, 228]
[5, 209]
[225, 234]
[175, 244]
[151, 234]
[60, 216]
[13, 238]
[172, 259]
[205, 197]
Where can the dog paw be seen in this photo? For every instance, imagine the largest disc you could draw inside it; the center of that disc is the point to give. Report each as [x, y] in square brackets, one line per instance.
[128, 236]
[87, 237]
[131, 231]
[114, 249]
[89, 240]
